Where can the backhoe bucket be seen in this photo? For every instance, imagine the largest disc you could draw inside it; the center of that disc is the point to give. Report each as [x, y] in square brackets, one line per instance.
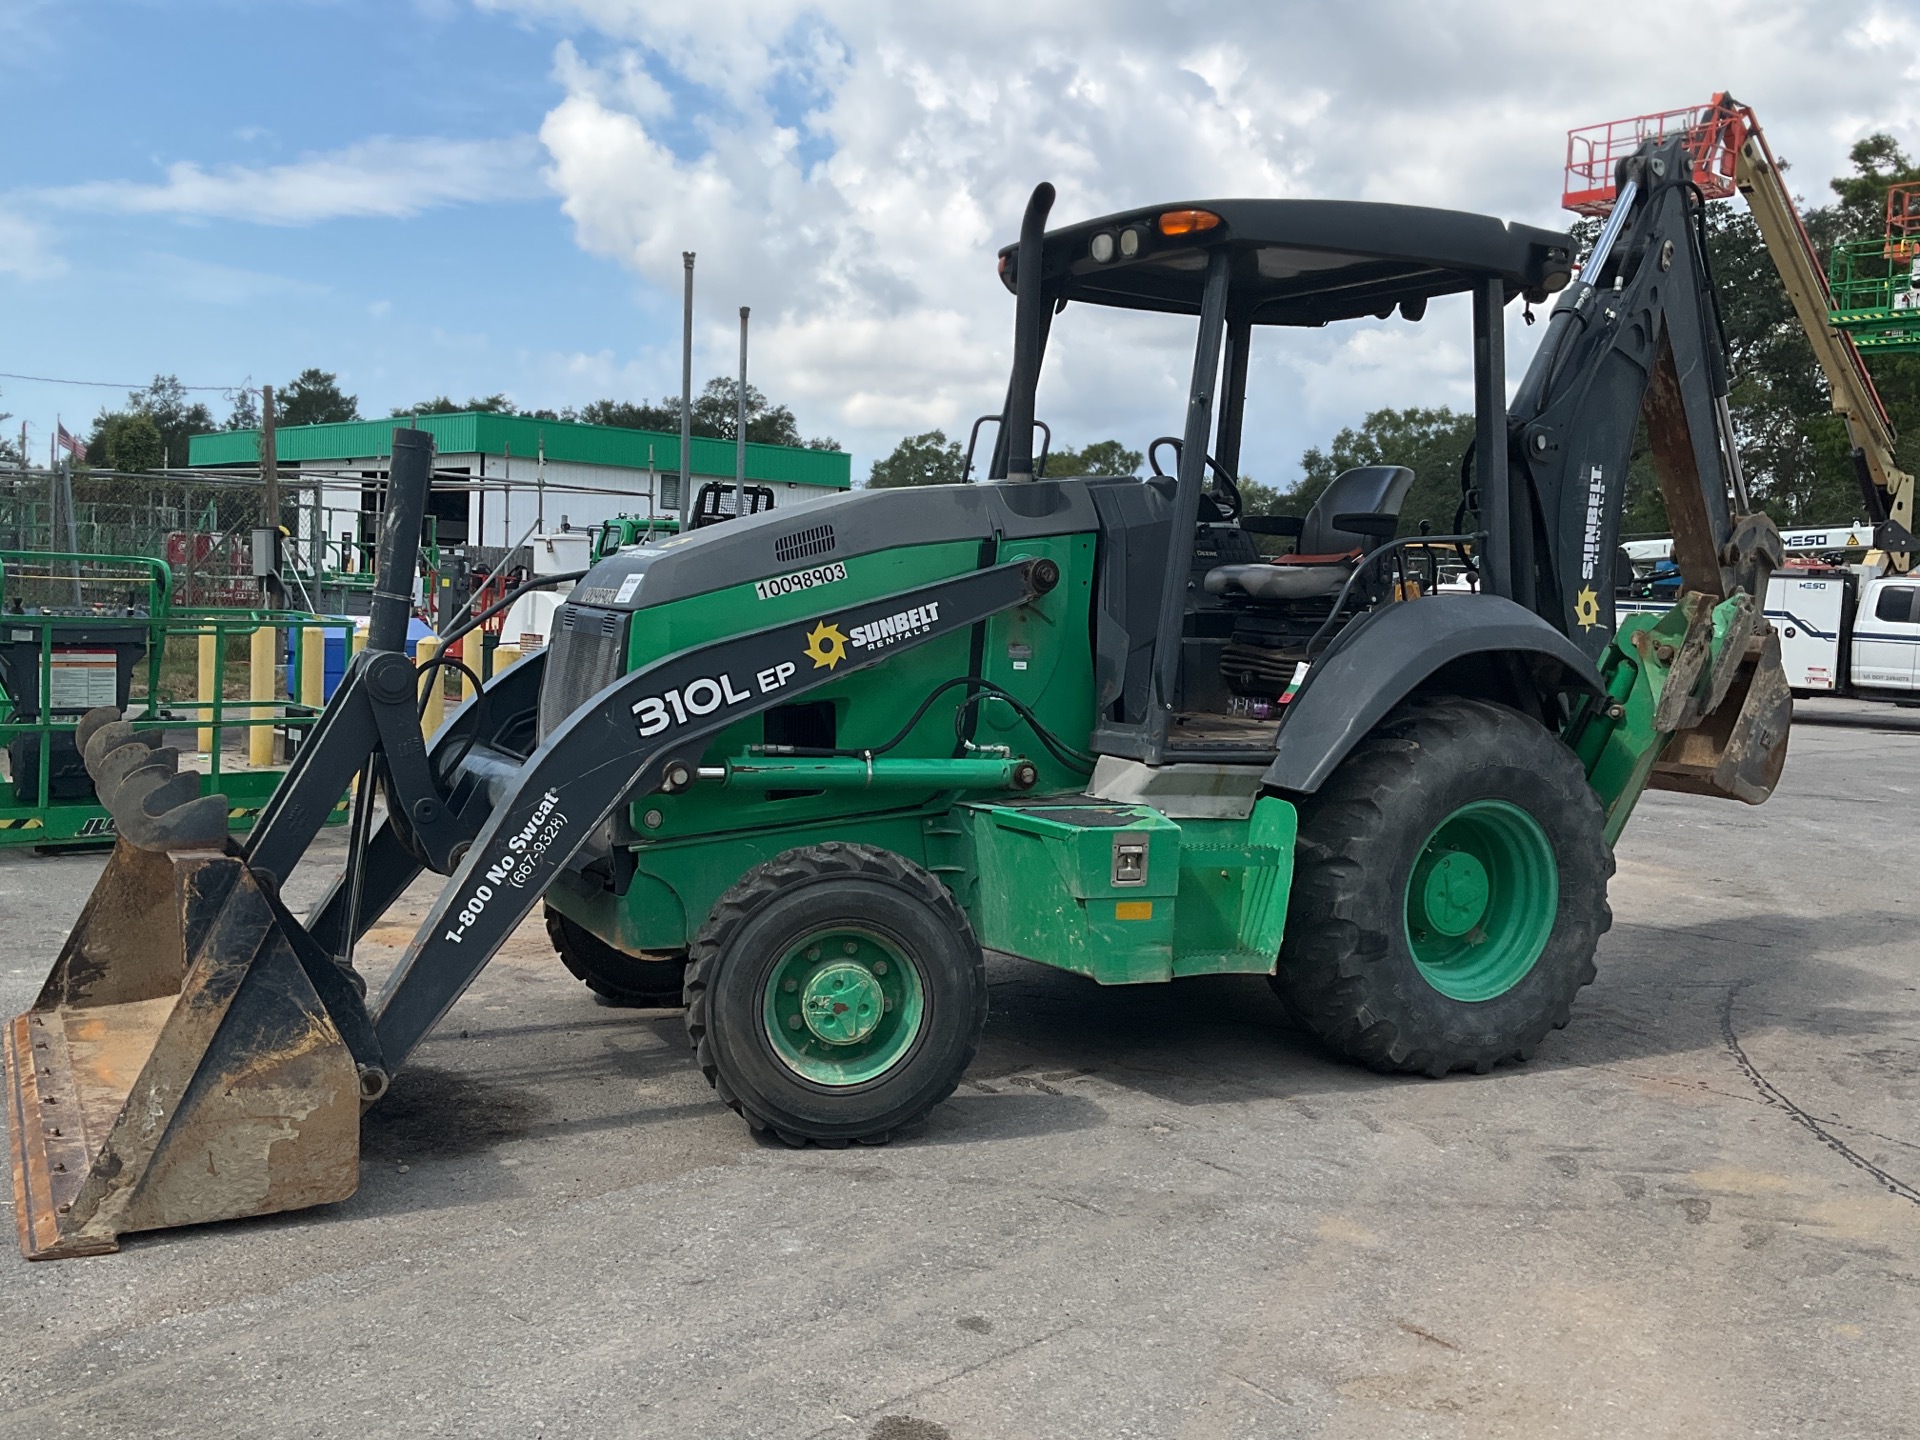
[1730, 741]
[180, 1064]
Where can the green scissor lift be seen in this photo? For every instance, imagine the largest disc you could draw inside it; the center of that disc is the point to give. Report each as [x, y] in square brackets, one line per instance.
[55, 663]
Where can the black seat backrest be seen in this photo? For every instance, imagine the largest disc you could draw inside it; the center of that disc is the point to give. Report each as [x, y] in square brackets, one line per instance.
[1364, 490]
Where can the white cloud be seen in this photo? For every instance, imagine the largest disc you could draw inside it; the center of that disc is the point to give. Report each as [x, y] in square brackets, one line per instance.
[379, 177]
[24, 249]
[861, 223]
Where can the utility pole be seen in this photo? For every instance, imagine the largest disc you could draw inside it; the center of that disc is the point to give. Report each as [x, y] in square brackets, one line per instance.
[686, 399]
[740, 425]
[269, 566]
[64, 501]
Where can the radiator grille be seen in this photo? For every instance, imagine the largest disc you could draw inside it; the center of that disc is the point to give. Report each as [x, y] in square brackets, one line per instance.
[588, 652]
[802, 543]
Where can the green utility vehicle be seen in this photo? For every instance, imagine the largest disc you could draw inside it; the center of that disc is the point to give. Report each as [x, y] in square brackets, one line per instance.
[624, 530]
[803, 768]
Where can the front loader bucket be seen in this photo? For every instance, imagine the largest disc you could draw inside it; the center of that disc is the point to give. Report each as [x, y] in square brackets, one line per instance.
[180, 1064]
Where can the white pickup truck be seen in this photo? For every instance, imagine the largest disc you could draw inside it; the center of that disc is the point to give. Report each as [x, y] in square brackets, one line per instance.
[1841, 632]
[1844, 635]
[1844, 630]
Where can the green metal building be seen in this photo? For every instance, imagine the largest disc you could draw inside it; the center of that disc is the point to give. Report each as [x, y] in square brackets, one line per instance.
[499, 475]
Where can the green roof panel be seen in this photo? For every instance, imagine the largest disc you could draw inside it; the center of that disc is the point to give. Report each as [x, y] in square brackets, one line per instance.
[476, 432]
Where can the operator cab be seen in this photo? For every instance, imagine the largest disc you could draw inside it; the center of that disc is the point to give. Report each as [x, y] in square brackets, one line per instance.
[1202, 636]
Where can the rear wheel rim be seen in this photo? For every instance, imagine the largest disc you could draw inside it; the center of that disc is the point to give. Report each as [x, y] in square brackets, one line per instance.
[1481, 900]
[843, 1006]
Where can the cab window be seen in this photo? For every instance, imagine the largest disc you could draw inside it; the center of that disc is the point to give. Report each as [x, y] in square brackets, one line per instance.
[1895, 604]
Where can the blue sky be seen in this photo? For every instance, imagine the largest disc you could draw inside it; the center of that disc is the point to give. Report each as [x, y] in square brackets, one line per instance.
[467, 196]
[459, 297]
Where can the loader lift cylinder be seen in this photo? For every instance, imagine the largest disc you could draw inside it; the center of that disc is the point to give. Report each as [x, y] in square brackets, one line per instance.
[409, 477]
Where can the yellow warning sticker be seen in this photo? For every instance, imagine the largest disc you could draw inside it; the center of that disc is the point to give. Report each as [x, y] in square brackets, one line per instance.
[1133, 910]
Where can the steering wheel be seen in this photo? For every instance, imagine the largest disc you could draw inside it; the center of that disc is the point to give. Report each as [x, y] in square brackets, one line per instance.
[1225, 493]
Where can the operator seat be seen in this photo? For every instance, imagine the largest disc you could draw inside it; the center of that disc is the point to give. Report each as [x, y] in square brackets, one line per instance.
[1324, 555]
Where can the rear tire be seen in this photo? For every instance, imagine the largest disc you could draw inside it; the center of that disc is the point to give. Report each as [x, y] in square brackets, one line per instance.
[835, 994]
[1449, 892]
[613, 975]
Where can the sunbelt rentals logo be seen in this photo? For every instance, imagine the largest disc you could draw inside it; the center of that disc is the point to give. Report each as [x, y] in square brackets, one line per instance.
[826, 646]
[880, 634]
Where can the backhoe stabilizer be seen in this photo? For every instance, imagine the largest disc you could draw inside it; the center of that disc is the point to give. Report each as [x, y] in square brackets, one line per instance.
[1697, 701]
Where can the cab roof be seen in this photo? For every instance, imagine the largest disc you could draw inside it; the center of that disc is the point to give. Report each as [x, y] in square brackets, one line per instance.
[1296, 262]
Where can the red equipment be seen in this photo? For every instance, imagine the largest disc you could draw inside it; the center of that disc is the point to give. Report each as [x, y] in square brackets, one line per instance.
[1903, 222]
[1714, 134]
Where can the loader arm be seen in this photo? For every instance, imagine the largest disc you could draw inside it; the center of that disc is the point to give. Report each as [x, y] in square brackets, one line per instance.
[198, 1054]
[643, 732]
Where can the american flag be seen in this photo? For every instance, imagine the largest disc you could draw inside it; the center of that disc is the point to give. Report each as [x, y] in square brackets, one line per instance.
[72, 444]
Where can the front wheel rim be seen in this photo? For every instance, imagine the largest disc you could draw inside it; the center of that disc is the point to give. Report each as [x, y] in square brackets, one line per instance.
[843, 1006]
[1481, 900]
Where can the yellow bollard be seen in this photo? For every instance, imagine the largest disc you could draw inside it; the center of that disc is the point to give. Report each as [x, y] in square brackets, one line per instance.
[313, 666]
[505, 655]
[262, 685]
[359, 639]
[470, 646]
[431, 718]
[209, 648]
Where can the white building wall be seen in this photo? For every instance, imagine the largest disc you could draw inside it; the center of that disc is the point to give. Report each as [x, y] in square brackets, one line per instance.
[521, 494]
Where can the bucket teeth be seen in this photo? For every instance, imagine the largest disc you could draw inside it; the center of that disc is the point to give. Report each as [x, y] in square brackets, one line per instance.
[102, 740]
[154, 804]
[116, 766]
[91, 723]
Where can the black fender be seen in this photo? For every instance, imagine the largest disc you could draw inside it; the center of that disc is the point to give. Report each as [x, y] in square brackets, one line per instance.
[1473, 644]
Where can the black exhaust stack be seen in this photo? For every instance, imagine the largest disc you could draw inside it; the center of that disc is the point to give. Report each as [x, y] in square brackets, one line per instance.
[1029, 334]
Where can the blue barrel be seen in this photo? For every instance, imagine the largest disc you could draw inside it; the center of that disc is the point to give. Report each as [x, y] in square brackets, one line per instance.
[338, 654]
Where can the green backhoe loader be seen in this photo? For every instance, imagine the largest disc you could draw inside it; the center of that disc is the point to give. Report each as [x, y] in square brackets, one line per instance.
[803, 768]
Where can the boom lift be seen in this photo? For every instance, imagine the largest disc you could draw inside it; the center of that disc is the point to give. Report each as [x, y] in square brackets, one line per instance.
[821, 759]
[1729, 151]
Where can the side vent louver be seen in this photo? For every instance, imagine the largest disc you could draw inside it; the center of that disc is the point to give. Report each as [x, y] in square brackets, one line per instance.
[802, 543]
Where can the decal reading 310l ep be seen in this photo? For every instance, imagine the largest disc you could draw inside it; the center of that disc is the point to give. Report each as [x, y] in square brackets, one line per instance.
[703, 696]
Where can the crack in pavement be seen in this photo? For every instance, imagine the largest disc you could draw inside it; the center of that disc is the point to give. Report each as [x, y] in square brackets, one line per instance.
[1773, 1095]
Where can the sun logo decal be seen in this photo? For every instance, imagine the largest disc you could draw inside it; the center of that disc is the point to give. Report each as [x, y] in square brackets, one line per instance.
[826, 646]
[1586, 610]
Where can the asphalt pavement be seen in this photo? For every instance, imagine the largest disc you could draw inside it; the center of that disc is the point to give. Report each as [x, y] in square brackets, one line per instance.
[1156, 1211]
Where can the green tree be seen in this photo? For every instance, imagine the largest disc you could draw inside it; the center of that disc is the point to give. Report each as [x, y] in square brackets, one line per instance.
[445, 405]
[1430, 442]
[1102, 457]
[245, 414]
[9, 447]
[634, 415]
[929, 459]
[131, 441]
[714, 416]
[1879, 163]
[174, 416]
[314, 397]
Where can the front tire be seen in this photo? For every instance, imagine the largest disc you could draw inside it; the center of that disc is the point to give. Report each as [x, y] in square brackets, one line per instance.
[835, 994]
[1449, 892]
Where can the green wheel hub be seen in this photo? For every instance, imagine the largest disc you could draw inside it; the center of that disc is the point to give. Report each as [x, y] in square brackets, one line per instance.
[1481, 900]
[843, 1006]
